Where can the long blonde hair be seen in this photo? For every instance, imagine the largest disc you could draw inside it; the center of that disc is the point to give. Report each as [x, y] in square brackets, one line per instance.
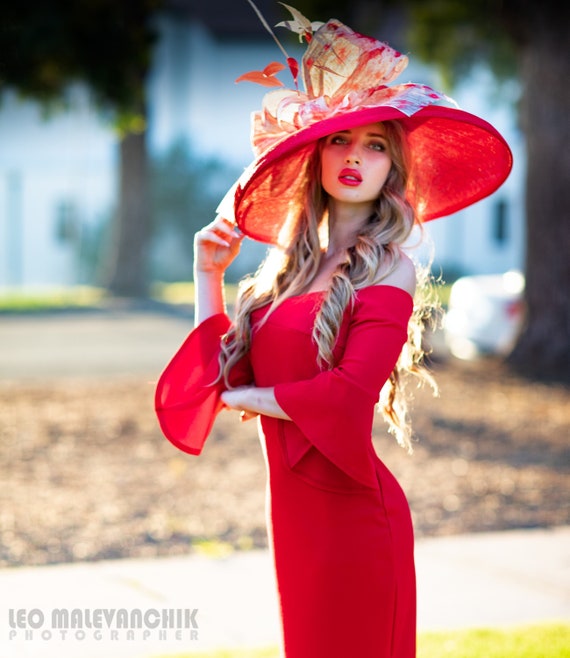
[289, 271]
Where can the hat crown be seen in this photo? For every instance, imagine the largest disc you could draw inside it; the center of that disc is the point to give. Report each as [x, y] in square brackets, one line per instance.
[339, 61]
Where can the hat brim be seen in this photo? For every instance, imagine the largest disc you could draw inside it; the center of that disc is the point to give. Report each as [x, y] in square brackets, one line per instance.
[457, 159]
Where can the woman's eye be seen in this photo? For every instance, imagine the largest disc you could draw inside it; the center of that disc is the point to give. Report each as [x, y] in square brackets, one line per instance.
[337, 139]
[378, 146]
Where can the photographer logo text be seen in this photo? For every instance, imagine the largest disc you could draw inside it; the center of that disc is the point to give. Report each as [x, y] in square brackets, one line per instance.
[103, 623]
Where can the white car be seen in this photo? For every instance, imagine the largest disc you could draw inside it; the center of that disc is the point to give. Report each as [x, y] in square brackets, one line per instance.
[484, 315]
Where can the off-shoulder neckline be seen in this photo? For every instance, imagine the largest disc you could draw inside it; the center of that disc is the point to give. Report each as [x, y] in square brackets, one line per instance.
[376, 286]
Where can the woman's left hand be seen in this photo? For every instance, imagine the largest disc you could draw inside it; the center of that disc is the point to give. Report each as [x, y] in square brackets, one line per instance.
[253, 401]
[236, 399]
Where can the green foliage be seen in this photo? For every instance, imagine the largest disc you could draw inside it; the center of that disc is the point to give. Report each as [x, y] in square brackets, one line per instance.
[322, 10]
[456, 35]
[47, 45]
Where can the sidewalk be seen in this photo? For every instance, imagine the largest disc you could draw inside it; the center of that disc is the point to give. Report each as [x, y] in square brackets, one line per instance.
[494, 579]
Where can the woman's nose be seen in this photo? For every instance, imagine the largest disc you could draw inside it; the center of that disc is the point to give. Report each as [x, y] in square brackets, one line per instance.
[352, 158]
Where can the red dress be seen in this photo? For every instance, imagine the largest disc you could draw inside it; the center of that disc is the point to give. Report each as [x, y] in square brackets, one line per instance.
[339, 523]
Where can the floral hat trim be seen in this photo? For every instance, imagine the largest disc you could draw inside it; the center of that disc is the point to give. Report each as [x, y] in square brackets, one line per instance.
[342, 72]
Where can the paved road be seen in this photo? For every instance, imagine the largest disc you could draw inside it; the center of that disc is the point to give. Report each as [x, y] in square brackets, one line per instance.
[113, 342]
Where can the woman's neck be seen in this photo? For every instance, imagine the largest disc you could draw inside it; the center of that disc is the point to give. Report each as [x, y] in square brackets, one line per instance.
[345, 222]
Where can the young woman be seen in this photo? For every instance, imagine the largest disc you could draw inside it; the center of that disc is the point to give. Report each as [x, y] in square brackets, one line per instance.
[328, 324]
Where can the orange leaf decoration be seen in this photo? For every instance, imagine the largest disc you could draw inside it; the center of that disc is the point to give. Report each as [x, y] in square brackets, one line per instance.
[266, 77]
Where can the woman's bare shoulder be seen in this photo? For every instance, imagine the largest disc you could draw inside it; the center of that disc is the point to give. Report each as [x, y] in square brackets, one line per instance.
[402, 276]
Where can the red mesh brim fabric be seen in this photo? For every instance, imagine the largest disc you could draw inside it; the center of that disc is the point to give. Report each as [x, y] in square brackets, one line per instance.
[457, 159]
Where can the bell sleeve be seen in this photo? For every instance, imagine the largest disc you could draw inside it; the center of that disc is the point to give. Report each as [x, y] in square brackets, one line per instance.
[187, 400]
[334, 411]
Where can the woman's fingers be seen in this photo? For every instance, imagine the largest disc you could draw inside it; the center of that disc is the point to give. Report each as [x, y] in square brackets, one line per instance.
[216, 245]
[247, 415]
[221, 231]
[211, 236]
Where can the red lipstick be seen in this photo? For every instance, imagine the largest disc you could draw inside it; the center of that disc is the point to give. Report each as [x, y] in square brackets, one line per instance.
[350, 177]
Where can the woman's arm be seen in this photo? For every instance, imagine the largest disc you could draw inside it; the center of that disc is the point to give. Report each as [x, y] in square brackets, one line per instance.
[252, 401]
[215, 247]
[209, 297]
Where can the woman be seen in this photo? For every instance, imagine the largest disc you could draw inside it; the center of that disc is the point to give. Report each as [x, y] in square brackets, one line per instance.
[343, 172]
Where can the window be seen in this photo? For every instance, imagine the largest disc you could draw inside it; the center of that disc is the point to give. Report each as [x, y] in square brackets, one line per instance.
[500, 223]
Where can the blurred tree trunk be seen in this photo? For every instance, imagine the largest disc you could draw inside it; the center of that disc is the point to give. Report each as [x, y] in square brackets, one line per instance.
[543, 349]
[128, 264]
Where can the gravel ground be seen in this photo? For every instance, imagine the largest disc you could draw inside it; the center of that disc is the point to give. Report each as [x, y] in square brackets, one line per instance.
[87, 475]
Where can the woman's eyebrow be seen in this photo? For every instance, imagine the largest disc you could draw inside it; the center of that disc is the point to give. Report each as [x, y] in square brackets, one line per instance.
[349, 132]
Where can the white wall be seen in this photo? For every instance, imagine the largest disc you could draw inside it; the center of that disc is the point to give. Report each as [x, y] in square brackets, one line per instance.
[46, 164]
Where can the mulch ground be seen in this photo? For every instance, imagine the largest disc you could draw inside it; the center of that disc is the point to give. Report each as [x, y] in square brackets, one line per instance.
[86, 474]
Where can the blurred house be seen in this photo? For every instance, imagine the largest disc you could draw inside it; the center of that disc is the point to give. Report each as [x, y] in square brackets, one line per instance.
[58, 173]
[57, 181]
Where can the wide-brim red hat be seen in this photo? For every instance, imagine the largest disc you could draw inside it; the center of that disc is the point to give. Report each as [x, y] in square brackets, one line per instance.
[456, 158]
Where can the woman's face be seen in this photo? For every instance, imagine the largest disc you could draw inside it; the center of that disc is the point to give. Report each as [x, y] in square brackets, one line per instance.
[355, 164]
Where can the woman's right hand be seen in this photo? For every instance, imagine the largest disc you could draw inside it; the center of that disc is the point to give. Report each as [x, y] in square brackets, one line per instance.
[216, 246]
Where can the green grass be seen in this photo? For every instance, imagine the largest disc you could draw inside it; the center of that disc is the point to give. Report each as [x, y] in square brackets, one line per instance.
[23, 300]
[48, 299]
[182, 292]
[535, 641]
[540, 641]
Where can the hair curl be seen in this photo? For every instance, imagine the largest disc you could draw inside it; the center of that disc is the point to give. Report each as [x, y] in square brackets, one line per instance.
[289, 271]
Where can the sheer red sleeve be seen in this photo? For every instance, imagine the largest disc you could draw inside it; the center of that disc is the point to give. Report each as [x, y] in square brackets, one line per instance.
[334, 411]
[186, 399]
